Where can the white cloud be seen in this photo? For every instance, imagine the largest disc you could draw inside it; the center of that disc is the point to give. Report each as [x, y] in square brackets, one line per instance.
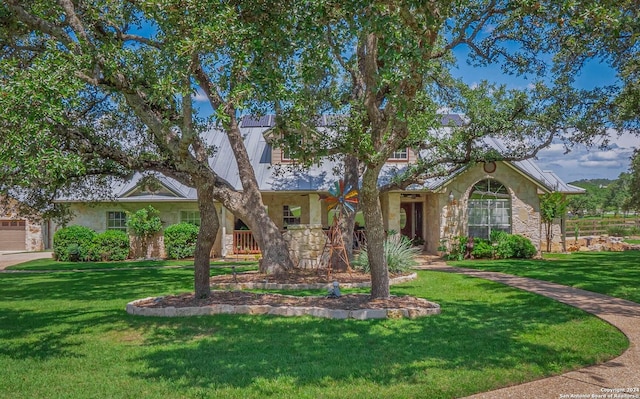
[590, 163]
[200, 96]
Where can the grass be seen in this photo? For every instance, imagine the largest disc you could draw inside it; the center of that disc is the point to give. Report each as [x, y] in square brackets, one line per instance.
[66, 335]
[632, 241]
[48, 264]
[611, 273]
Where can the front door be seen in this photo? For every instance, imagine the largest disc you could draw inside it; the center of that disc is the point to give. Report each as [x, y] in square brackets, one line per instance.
[411, 219]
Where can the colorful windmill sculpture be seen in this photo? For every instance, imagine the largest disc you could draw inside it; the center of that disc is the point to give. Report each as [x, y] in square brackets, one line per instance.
[343, 200]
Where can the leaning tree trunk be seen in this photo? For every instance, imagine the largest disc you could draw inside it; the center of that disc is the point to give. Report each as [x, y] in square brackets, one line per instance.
[372, 209]
[206, 238]
[276, 258]
[275, 252]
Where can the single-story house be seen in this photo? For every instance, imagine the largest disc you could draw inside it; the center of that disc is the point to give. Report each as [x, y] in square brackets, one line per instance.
[471, 202]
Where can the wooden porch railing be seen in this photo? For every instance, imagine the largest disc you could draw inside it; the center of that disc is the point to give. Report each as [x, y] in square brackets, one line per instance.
[244, 243]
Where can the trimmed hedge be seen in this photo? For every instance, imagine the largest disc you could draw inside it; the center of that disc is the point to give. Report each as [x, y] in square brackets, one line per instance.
[72, 243]
[180, 240]
[112, 245]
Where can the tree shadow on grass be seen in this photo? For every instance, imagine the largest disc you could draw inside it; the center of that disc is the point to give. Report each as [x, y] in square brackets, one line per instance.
[481, 328]
[41, 335]
[126, 285]
[470, 336]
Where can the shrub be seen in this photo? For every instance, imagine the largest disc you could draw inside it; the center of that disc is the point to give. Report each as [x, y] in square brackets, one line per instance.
[515, 246]
[496, 236]
[180, 240]
[72, 243]
[482, 249]
[458, 248]
[398, 250]
[618, 231]
[110, 245]
[143, 224]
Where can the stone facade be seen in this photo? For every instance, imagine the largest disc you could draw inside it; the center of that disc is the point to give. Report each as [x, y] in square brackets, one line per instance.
[306, 243]
[524, 198]
[440, 218]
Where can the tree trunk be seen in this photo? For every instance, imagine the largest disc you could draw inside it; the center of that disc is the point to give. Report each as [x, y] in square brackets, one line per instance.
[276, 258]
[206, 238]
[347, 223]
[275, 252]
[372, 209]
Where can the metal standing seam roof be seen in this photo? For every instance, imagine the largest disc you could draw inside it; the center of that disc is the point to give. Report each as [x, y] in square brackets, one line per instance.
[273, 178]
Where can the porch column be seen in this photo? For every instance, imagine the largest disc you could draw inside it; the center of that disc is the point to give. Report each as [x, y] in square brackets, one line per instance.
[391, 211]
[315, 209]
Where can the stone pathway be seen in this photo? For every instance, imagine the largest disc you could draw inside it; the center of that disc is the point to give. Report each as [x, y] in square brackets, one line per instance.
[617, 378]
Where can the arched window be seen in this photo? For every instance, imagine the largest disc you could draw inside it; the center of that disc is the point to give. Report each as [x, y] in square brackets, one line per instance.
[489, 209]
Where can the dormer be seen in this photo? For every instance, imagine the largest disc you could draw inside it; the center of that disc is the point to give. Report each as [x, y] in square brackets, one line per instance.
[403, 155]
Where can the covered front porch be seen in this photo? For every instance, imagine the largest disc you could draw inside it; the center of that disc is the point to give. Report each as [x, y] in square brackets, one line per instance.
[402, 212]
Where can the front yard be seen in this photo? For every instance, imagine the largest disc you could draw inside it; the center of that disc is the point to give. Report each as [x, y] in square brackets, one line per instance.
[66, 335]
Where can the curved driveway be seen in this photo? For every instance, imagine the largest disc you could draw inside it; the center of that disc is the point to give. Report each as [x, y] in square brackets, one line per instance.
[617, 378]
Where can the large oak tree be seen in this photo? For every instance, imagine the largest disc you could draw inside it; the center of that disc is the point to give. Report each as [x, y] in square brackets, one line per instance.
[388, 75]
[97, 89]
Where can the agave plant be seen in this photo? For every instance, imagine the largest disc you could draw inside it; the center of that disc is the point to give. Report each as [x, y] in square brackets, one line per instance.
[398, 250]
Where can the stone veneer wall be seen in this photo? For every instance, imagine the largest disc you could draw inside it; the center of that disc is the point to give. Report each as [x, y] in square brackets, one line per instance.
[525, 205]
[306, 243]
[34, 238]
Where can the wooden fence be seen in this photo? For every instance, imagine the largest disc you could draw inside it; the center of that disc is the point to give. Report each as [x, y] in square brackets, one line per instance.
[595, 227]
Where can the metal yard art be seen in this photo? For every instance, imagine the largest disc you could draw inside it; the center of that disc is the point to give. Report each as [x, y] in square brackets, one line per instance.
[342, 199]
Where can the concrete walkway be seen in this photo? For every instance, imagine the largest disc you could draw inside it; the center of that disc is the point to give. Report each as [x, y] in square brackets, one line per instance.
[8, 258]
[617, 378]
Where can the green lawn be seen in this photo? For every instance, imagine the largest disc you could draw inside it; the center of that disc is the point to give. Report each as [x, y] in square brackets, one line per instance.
[48, 264]
[611, 273]
[66, 335]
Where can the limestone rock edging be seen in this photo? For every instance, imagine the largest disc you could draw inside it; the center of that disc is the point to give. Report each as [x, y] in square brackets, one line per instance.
[287, 311]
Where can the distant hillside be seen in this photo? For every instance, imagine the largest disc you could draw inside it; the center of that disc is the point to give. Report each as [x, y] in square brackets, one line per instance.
[592, 183]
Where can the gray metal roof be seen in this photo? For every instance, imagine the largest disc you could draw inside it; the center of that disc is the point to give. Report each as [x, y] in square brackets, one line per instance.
[288, 177]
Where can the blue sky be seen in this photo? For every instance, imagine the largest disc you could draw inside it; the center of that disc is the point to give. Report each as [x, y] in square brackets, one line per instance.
[581, 162]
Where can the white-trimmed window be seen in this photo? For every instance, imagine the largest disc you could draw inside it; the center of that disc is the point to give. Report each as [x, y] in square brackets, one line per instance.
[286, 153]
[489, 209]
[290, 215]
[117, 220]
[401, 154]
[192, 217]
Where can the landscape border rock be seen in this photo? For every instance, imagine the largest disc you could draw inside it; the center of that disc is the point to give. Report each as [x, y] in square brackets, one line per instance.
[430, 308]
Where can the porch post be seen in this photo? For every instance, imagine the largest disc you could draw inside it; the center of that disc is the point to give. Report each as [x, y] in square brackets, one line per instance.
[391, 211]
[315, 209]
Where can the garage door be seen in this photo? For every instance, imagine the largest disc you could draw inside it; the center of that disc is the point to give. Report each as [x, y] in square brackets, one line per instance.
[12, 235]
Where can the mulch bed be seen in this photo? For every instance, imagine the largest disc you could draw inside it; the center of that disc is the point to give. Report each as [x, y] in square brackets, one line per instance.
[347, 302]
